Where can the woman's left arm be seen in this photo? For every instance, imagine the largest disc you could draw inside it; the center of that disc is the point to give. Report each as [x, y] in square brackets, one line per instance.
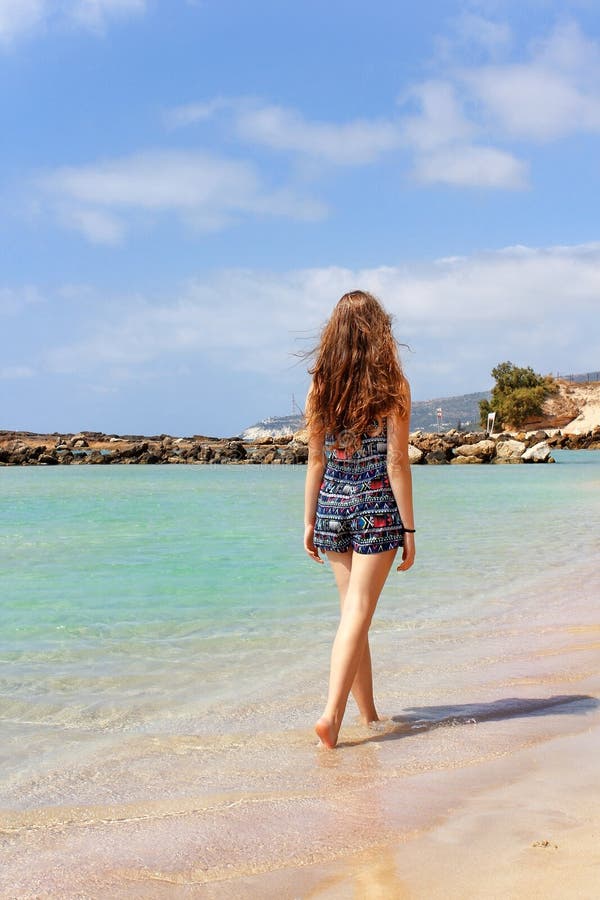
[398, 467]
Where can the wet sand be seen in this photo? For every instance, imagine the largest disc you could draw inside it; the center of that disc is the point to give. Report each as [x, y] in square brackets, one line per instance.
[490, 796]
[526, 826]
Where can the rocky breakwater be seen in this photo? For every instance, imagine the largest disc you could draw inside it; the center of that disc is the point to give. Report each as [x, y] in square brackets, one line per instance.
[477, 448]
[97, 448]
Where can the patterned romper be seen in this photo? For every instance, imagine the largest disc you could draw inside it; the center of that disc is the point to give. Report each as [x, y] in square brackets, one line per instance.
[356, 507]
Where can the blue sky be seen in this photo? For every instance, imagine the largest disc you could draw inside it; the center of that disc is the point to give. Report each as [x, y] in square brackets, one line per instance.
[188, 187]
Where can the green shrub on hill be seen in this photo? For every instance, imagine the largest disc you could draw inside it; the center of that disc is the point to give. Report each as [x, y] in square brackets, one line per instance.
[517, 396]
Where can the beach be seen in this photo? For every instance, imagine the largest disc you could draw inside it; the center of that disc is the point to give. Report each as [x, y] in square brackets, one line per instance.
[166, 652]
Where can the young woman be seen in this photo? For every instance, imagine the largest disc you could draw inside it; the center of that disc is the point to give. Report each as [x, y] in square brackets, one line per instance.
[358, 496]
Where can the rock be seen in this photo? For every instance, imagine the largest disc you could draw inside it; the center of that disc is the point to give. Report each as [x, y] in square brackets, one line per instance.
[300, 437]
[98, 459]
[80, 443]
[472, 437]
[48, 459]
[294, 454]
[510, 451]
[264, 455]
[415, 456]
[466, 460]
[436, 458]
[535, 437]
[236, 450]
[205, 453]
[539, 453]
[135, 451]
[431, 443]
[558, 440]
[483, 450]
[300, 452]
[186, 453]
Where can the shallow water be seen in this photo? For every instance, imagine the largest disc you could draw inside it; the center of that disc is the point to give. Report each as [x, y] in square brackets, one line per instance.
[165, 648]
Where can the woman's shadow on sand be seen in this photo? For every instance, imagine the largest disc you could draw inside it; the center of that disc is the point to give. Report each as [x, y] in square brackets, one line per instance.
[419, 719]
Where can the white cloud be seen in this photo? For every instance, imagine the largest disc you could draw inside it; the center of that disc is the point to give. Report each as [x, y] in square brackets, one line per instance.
[97, 225]
[157, 180]
[533, 102]
[438, 135]
[346, 143]
[15, 372]
[554, 93]
[472, 166]
[357, 142]
[502, 304]
[95, 14]
[15, 300]
[20, 17]
[207, 192]
[440, 120]
[464, 119]
[472, 35]
[190, 113]
[492, 36]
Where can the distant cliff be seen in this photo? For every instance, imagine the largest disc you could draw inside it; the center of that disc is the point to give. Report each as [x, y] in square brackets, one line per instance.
[274, 426]
[575, 408]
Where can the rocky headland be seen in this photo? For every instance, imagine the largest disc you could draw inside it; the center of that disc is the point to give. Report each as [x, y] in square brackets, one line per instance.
[20, 448]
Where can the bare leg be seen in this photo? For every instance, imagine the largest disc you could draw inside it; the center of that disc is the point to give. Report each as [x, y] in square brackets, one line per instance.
[367, 577]
[362, 686]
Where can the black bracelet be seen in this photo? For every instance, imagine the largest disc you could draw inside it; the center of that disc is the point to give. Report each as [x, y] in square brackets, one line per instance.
[410, 530]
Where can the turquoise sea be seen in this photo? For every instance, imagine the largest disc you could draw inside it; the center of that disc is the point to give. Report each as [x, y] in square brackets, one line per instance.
[165, 640]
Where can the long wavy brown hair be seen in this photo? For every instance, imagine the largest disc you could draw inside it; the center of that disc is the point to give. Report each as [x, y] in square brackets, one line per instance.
[357, 377]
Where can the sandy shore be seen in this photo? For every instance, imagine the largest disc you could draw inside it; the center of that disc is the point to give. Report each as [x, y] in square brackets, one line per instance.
[528, 827]
[505, 805]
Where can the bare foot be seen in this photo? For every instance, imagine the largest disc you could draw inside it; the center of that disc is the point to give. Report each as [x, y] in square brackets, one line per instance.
[368, 720]
[325, 732]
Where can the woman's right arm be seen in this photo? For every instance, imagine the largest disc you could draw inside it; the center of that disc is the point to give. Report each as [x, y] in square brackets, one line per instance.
[398, 467]
[315, 468]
